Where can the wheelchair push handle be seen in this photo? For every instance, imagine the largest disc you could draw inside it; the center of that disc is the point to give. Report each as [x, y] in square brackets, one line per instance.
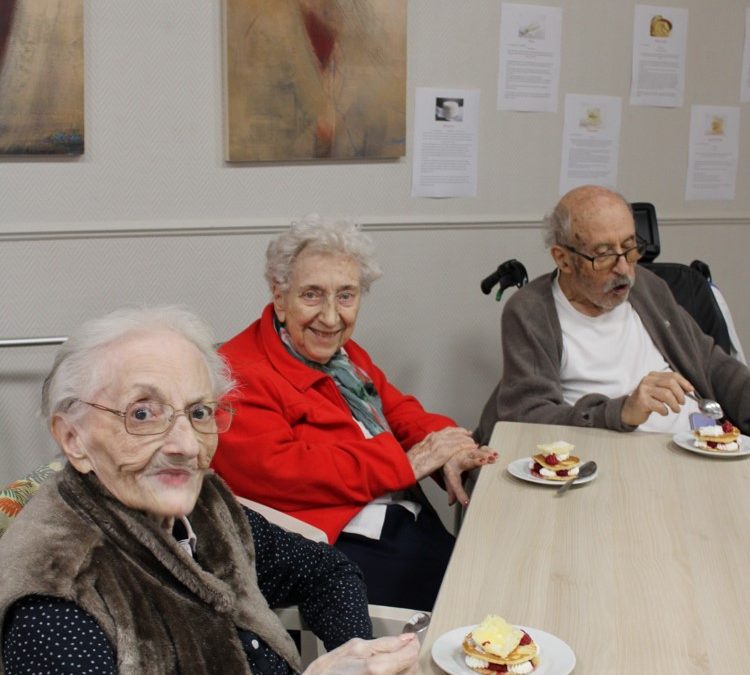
[510, 273]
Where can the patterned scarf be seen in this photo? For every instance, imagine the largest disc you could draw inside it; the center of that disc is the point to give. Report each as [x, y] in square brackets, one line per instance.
[353, 383]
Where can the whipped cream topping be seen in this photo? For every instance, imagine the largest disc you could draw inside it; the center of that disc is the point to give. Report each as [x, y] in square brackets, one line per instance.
[711, 430]
[548, 473]
[473, 662]
[727, 447]
[518, 668]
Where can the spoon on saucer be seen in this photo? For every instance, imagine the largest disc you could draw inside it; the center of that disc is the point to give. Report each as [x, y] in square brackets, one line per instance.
[584, 471]
[707, 406]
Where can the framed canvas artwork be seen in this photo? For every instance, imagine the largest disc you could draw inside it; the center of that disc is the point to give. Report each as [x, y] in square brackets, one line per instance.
[41, 77]
[315, 79]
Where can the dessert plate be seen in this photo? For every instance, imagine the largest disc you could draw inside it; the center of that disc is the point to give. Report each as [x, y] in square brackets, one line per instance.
[685, 440]
[520, 469]
[555, 656]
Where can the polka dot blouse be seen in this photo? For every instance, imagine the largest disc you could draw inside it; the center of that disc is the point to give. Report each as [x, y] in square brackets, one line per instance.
[51, 636]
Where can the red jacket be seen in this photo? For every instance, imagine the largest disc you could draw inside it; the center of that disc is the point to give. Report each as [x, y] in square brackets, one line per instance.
[294, 444]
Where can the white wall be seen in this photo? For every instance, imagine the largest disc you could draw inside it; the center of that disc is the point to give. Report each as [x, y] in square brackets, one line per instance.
[152, 213]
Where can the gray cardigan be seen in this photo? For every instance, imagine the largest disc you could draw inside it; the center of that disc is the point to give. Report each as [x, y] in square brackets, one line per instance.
[530, 389]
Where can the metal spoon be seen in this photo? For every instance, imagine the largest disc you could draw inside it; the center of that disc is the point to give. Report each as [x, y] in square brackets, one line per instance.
[585, 470]
[418, 624]
[707, 406]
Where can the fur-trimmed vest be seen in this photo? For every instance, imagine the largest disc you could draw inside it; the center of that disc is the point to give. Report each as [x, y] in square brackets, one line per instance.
[162, 611]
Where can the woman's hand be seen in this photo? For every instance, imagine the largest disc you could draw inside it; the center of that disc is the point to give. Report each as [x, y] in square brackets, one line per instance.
[435, 449]
[384, 656]
[462, 461]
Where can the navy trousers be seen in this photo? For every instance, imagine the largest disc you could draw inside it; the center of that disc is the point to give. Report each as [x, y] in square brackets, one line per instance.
[404, 568]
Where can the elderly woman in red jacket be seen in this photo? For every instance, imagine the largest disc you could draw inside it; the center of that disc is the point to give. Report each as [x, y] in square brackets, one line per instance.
[322, 435]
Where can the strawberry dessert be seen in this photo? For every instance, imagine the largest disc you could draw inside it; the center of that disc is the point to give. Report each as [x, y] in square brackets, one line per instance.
[718, 437]
[555, 461]
[495, 646]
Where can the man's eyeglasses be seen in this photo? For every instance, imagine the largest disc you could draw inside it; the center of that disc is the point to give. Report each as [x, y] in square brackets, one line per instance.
[150, 418]
[606, 261]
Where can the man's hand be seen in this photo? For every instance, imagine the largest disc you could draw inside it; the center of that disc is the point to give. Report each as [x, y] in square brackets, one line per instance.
[659, 392]
[435, 449]
[384, 656]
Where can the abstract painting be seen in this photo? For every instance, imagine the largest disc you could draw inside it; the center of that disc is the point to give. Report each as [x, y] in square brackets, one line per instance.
[41, 77]
[315, 79]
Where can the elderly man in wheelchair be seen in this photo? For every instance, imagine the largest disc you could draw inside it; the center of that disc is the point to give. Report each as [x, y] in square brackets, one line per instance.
[601, 342]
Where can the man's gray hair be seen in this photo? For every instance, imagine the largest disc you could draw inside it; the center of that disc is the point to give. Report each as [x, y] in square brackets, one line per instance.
[557, 225]
[341, 237]
[77, 370]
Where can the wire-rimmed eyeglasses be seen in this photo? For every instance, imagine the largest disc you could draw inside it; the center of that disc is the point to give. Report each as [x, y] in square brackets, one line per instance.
[150, 418]
[606, 261]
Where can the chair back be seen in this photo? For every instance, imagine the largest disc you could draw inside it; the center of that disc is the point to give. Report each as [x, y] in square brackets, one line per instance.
[693, 291]
[647, 228]
[16, 495]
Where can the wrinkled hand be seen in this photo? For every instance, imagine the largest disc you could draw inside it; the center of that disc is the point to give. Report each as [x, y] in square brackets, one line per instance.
[384, 656]
[465, 460]
[435, 449]
[659, 392]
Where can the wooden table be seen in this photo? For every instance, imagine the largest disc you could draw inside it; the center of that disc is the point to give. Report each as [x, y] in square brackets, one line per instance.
[646, 569]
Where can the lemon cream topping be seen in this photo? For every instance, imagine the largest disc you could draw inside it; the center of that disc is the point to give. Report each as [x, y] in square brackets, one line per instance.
[561, 449]
[496, 635]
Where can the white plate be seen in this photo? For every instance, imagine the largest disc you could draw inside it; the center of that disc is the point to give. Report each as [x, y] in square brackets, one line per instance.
[520, 469]
[555, 657]
[686, 438]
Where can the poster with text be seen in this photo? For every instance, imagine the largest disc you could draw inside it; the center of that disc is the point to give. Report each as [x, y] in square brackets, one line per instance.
[659, 54]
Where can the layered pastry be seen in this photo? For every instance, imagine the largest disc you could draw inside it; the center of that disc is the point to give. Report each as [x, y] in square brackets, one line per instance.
[718, 438]
[555, 461]
[495, 646]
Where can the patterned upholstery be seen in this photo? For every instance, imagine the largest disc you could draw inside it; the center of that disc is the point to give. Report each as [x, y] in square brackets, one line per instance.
[14, 496]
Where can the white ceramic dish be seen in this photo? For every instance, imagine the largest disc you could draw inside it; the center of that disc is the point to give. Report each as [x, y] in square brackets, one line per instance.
[520, 469]
[555, 656]
[685, 440]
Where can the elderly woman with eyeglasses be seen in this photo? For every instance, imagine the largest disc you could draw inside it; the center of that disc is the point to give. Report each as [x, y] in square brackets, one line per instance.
[321, 434]
[136, 558]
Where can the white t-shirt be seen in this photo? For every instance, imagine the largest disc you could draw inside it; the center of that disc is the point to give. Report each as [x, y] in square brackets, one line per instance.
[610, 354]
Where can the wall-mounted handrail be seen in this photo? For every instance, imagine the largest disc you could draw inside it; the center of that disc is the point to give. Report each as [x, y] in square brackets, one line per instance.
[41, 341]
[31, 342]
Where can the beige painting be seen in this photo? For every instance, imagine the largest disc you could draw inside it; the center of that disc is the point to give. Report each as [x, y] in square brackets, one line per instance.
[315, 79]
[41, 77]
